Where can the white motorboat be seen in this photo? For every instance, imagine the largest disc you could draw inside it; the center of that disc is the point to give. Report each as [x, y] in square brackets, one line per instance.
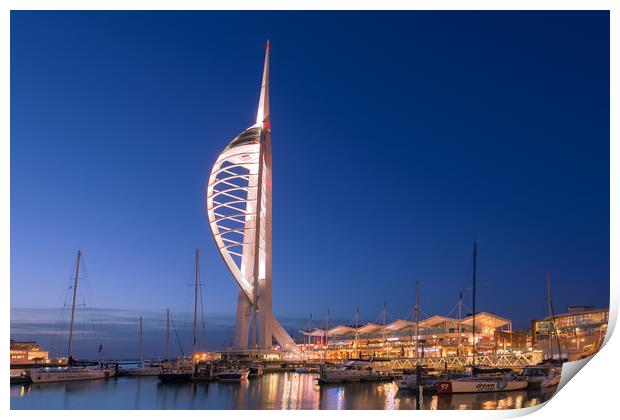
[352, 371]
[65, 374]
[543, 376]
[481, 383]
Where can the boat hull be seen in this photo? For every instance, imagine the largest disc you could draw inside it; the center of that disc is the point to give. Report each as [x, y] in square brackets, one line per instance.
[410, 383]
[255, 371]
[353, 376]
[66, 376]
[233, 376]
[175, 377]
[143, 371]
[475, 386]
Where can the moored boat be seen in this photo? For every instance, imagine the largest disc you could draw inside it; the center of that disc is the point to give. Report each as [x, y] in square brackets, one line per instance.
[256, 370]
[409, 381]
[481, 383]
[233, 374]
[70, 373]
[178, 371]
[19, 376]
[204, 371]
[542, 376]
[353, 371]
[142, 369]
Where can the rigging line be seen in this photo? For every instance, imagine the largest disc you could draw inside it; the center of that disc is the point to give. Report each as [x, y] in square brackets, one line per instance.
[202, 313]
[57, 341]
[424, 313]
[91, 312]
[176, 333]
[95, 332]
[85, 287]
[552, 330]
[58, 326]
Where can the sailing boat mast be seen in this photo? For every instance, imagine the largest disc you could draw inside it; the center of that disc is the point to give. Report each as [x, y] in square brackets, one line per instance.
[75, 285]
[204, 323]
[357, 321]
[474, 303]
[141, 341]
[196, 304]
[551, 318]
[417, 316]
[167, 334]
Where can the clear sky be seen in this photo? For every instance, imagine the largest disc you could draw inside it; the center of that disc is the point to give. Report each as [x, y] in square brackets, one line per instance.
[398, 139]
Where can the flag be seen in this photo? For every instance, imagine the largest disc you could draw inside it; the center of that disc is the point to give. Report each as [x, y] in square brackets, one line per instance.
[100, 348]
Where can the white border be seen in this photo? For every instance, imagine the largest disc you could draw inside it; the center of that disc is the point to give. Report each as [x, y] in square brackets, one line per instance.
[589, 396]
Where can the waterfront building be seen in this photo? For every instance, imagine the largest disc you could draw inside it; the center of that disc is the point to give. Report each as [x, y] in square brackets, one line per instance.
[580, 332]
[27, 352]
[239, 208]
[437, 336]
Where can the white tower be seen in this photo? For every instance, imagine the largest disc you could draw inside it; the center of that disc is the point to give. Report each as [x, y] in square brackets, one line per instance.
[239, 212]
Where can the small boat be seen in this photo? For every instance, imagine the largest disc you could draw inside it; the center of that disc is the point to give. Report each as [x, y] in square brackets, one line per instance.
[70, 373]
[409, 381]
[142, 369]
[233, 374]
[179, 371]
[481, 383]
[542, 376]
[353, 371]
[256, 370]
[204, 371]
[19, 377]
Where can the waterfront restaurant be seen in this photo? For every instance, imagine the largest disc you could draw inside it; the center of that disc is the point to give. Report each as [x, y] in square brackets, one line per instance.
[27, 352]
[437, 336]
[580, 332]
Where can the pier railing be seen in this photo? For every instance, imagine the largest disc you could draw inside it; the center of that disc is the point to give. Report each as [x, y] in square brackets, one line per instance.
[495, 360]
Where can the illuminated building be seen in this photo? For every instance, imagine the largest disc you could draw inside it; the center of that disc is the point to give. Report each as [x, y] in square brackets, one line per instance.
[27, 352]
[437, 336]
[239, 200]
[581, 331]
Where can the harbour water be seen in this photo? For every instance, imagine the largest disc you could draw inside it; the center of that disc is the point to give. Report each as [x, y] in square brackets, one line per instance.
[271, 391]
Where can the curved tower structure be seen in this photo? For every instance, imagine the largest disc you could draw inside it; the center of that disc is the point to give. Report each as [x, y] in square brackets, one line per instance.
[239, 212]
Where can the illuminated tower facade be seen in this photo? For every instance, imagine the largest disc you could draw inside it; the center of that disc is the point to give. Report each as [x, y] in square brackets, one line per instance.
[239, 199]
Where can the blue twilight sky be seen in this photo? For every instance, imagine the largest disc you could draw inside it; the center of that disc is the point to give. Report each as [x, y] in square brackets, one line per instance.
[398, 139]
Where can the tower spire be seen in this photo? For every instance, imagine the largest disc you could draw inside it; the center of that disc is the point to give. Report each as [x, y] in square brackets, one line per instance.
[262, 116]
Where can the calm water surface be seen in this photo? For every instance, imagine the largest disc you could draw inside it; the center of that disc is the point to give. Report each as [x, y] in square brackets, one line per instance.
[271, 391]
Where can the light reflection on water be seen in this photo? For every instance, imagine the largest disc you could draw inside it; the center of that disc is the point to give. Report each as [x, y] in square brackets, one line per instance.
[286, 391]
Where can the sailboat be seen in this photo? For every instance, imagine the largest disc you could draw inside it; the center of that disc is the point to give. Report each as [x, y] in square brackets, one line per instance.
[196, 368]
[71, 373]
[179, 370]
[143, 368]
[547, 373]
[481, 382]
